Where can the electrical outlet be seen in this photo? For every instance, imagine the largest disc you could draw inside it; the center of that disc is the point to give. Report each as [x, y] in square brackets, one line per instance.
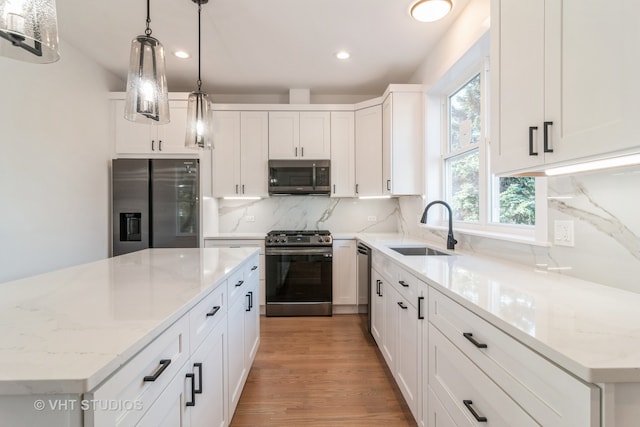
[250, 218]
[563, 233]
[372, 218]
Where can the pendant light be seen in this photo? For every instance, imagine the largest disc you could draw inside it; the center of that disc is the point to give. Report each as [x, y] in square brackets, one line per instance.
[430, 10]
[29, 30]
[147, 94]
[199, 114]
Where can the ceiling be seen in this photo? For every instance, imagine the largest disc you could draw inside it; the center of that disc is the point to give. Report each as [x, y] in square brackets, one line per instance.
[262, 46]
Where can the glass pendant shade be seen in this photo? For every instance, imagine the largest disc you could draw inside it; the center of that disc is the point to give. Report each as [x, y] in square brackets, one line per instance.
[147, 94]
[430, 10]
[199, 121]
[29, 30]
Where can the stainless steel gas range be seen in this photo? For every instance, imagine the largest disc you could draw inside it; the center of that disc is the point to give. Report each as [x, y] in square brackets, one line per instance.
[298, 273]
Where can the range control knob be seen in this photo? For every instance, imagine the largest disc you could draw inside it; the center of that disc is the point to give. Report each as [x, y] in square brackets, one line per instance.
[320, 239]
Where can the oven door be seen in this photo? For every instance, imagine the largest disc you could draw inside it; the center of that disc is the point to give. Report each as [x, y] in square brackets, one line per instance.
[298, 281]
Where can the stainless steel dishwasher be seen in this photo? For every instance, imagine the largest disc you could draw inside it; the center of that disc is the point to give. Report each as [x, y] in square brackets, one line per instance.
[364, 282]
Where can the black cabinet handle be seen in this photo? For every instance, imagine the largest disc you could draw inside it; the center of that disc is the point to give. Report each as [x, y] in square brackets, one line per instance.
[388, 185]
[379, 288]
[301, 151]
[213, 311]
[236, 188]
[531, 129]
[153, 145]
[239, 283]
[199, 367]
[403, 283]
[546, 137]
[420, 316]
[255, 267]
[193, 390]
[402, 306]
[478, 418]
[251, 298]
[469, 336]
[160, 145]
[164, 364]
[356, 188]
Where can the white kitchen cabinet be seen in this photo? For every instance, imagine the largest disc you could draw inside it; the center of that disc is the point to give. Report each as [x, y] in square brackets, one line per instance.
[344, 267]
[563, 82]
[343, 173]
[136, 138]
[299, 135]
[549, 395]
[403, 141]
[240, 157]
[209, 368]
[377, 307]
[369, 151]
[244, 328]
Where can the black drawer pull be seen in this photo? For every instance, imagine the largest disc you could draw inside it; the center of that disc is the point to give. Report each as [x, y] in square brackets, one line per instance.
[164, 364]
[193, 390]
[213, 311]
[403, 283]
[402, 306]
[469, 336]
[199, 389]
[250, 300]
[420, 316]
[478, 418]
[255, 267]
[239, 283]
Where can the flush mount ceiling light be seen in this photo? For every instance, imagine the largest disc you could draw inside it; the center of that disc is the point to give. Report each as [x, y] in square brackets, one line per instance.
[181, 54]
[199, 114]
[29, 30]
[147, 95]
[430, 10]
[343, 54]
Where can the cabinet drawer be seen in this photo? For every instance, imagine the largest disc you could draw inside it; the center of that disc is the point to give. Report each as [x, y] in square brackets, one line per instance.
[551, 395]
[385, 266]
[235, 285]
[409, 286]
[206, 315]
[142, 379]
[465, 392]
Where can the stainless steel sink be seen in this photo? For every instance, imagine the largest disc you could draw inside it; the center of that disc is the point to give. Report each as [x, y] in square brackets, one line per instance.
[417, 251]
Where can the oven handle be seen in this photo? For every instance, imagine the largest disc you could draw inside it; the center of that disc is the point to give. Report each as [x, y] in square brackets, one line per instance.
[300, 251]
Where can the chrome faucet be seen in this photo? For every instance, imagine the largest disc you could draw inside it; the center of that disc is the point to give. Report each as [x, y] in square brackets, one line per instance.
[451, 242]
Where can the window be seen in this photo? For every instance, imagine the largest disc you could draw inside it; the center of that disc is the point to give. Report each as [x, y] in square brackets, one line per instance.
[480, 202]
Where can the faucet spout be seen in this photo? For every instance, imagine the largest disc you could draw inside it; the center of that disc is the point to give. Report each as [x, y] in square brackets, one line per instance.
[451, 241]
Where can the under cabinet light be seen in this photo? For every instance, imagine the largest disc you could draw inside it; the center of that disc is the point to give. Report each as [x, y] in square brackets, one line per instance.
[373, 197]
[613, 162]
[242, 198]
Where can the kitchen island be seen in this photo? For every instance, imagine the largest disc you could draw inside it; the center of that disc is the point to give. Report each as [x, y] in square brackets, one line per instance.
[67, 334]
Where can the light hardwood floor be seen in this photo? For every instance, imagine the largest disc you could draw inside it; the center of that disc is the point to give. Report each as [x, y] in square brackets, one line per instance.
[319, 371]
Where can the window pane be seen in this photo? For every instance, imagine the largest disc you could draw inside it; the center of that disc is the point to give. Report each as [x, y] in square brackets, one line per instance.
[516, 200]
[464, 115]
[463, 185]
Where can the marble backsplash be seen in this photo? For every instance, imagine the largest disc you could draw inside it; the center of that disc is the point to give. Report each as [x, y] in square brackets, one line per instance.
[605, 209]
[346, 215]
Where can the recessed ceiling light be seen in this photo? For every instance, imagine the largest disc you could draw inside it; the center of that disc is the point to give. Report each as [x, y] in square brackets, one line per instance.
[343, 54]
[181, 54]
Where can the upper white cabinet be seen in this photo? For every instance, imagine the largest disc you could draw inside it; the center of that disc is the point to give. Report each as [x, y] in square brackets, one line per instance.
[136, 138]
[240, 156]
[343, 173]
[369, 151]
[563, 82]
[299, 135]
[402, 141]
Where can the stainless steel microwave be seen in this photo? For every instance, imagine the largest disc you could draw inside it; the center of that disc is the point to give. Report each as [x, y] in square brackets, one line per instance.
[299, 177]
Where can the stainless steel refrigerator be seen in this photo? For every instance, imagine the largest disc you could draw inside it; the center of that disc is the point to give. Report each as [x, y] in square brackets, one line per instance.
[155, 204]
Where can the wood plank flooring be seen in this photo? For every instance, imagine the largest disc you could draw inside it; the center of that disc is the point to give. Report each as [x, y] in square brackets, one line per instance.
[319, 371]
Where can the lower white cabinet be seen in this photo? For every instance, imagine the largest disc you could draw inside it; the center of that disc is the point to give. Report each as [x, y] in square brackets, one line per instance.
[344, 266]
[169, 410]
[244, 330]
[397, 321]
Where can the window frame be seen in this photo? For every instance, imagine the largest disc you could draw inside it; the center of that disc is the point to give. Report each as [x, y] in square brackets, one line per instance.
[475, 62]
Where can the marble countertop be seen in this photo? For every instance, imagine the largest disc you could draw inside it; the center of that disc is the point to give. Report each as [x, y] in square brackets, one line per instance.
[68, 330]
[591, 330]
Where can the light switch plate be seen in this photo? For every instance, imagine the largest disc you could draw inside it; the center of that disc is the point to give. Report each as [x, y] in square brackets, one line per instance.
[372, 218]
[250, 218]
[563, 233]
